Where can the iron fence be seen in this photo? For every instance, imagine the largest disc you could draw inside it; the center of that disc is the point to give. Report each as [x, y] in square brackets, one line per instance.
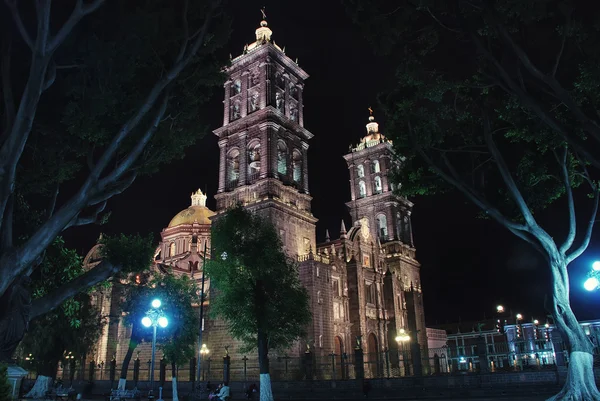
[386, 364]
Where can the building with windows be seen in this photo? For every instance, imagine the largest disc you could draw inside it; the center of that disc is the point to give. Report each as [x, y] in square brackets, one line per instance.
[364, 285]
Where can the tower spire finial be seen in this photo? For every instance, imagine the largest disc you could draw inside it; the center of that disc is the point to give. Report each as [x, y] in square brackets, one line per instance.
[262, 11]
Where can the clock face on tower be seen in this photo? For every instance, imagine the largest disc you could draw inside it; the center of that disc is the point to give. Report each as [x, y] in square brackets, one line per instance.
[364, 228]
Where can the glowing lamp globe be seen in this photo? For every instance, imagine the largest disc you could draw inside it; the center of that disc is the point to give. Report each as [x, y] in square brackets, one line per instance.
[163, 322]
[146, 321]
[596, 265]
[499, 308]
[591, 284]
[519, 316]
[156, 303]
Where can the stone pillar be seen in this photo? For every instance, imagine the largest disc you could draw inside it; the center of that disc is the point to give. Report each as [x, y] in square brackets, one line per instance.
[222, 164]
[264, 98]
[162, 375]
[352, 171]
[286, 94]
[484, 365]
[308, 365]
[91, 372]
[265, 152]
[300, 105]
[305, 168]
[244, 93]
[410, 231]
[226, 102]
[113, 370]
[136, 371]
[193, 363]
[226, 368]
[243, 158]
[359, 363]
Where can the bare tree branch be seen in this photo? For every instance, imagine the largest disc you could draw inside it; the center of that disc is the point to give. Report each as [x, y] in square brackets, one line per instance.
[510, 183]
[454, 179]
[12, 6]
[113, 190]
[132, 156]
[80, 11]
[562, 47]
[49, 302]
[92, 218]
[6, 84]
[6, 232]
[588, 232]
[588, 124]
[571, 204]
[511, 87]
[48, 231]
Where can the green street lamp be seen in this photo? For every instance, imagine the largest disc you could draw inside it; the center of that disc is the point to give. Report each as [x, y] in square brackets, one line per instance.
[154, 317]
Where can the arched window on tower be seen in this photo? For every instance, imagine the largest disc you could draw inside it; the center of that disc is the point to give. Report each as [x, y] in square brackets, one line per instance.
[233, 173]
[282, 158]
[172, 249]
[253, 161]
[382, 226]
[297, 165]
[378, 187]
[361, 170]
[376, 168]
[362, 189]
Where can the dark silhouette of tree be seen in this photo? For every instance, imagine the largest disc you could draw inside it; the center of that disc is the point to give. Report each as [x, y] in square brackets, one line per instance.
[499, 100]
[86, 109]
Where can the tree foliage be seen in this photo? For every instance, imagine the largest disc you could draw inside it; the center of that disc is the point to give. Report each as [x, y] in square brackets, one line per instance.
[5, 387]
[90, 106]
[499, 100]
[257, 288]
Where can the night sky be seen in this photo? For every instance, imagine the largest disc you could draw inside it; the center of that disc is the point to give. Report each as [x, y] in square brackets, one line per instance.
[468, 265]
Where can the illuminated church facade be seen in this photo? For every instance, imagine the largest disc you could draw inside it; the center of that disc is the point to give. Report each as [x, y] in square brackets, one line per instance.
[364, 285]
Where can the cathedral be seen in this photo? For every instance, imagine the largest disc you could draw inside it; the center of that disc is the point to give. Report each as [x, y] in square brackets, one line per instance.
[364, 285]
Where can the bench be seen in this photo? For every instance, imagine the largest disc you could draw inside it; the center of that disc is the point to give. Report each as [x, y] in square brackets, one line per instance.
[123, 395]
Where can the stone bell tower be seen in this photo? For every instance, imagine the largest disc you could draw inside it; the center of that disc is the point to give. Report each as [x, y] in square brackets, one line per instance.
[263, 143]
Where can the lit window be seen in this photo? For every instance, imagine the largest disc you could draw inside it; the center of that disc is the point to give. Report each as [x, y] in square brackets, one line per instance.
[376, 168]
[382, 223]
[378, 187]
[361, 170]
[172, 249]
[281, 158]
[362, 189]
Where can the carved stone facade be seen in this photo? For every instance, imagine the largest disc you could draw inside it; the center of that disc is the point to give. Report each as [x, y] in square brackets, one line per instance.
[364, 286]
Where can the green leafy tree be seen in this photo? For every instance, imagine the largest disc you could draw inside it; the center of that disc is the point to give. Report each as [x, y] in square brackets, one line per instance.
[181, 335]
[258, 290]
[5, 387]
[177, 294]
[499, 101]
[86, 109]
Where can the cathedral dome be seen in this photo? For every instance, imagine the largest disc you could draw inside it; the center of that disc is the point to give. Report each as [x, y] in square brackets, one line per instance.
[196, 213]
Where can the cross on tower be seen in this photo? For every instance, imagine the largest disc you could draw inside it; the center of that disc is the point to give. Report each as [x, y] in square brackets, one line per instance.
[262, 10]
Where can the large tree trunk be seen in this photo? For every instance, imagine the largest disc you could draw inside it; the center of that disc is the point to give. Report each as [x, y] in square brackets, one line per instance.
[175, 397]
[15, 306]
[133, 343]
[266, 393]
[580, 384]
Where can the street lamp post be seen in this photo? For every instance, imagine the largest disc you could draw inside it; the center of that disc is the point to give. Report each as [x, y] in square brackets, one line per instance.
[154, 317]
[402, 339]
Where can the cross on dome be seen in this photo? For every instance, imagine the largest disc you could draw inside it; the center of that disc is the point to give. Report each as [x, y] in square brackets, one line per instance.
[198, 198]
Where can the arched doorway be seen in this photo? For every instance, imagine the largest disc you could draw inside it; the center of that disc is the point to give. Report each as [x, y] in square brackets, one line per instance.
[372, 358]
[339, 355]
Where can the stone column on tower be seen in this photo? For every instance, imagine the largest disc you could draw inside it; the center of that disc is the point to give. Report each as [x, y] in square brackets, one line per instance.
[243, 157]
[244, 111]
[265, 87]
[222, 162]
[300, 105]
[305, 167]
[226, 102]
